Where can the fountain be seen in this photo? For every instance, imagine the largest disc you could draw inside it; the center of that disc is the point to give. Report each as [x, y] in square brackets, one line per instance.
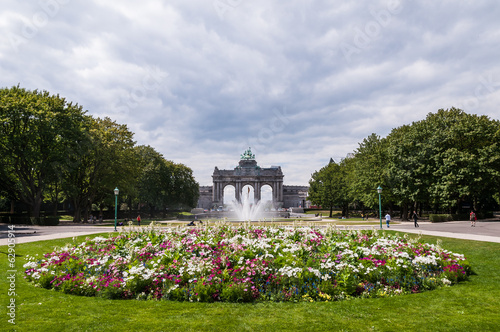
[246, 174]
[246, 211]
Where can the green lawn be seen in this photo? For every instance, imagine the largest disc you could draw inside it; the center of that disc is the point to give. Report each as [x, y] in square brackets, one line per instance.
[470, 306]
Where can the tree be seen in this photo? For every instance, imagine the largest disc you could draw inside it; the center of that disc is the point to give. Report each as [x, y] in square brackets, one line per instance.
[370, 170]
[408, 158]
[328, 188]
[446, 159]
[449, 160]
[38, 132]
[155, 178]
[164, 184]
[105, 159]
[465, 158]
[186, 189]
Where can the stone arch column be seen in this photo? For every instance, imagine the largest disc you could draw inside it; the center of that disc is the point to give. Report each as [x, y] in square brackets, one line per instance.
[237, 191]
[256, 191]
[277, 193]
[218, 187]
[215, 192]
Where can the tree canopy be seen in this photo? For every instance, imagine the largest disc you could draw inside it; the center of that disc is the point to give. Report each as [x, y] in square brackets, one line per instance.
[39, 133]
[52, 149]
[450, 161]
[328, 188]
[163, 183]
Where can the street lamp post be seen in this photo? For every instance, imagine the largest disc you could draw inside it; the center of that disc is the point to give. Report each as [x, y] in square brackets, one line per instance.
[116, 205]
[379, 190]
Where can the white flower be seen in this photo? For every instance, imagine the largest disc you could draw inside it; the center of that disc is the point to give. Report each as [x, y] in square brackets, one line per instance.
[32, 265]
[172, 288]
[445, 282]
[289, 271]
[425, 260]
[99, 239]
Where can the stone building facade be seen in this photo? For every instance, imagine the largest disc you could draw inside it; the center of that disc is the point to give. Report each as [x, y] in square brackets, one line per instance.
[249, 173]
[295, 196]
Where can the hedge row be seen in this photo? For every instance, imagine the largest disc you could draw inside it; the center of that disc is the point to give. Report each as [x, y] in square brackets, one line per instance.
[24, 220]
[457, 217]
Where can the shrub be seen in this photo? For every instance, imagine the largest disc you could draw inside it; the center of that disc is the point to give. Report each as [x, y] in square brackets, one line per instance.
[50, 221]
[20, 220]
[440, 217]
[460, 216]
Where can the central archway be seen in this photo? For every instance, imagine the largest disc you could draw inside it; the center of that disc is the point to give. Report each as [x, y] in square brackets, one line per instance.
[248, 194]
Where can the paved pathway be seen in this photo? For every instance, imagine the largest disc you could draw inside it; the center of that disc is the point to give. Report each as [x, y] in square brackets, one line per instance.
[32, 233]
[485, 230]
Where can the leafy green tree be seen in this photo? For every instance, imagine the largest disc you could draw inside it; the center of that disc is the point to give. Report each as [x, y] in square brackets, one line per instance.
[370, 170]
[104, 160]
[328, 187]
[117, 165]
[186, 189]
[38, 132]
[164, 184]
[155, 178]
[408, 161]
[465, 158]
[446, 159]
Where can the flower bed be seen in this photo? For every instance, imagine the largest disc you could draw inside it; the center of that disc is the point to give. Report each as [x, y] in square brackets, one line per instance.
[246, 264]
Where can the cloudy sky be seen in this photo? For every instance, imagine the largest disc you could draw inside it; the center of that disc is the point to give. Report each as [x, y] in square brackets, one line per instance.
[299, 82]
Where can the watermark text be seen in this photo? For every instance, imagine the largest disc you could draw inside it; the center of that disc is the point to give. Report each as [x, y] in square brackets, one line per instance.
[11, 276]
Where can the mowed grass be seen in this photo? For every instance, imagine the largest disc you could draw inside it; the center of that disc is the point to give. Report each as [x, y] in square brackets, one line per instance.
[470, 306]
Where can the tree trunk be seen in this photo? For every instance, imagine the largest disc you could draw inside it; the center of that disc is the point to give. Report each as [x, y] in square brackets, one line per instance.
[54, 211]
[85, 215]
[88, 209]
[37, 205]
[101, 212]
[404, 214]
[331, 211]
[78, 211]
[345, 211]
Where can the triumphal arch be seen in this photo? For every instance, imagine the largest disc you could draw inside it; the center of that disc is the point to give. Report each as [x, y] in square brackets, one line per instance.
[248, 173]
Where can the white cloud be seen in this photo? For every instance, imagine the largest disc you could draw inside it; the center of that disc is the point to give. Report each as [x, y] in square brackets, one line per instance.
[201, 83]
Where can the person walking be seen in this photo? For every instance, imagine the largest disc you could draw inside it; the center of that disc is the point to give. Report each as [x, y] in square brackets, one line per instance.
[387, 219]
[139, 220]
[473, 219]
[415, 218]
